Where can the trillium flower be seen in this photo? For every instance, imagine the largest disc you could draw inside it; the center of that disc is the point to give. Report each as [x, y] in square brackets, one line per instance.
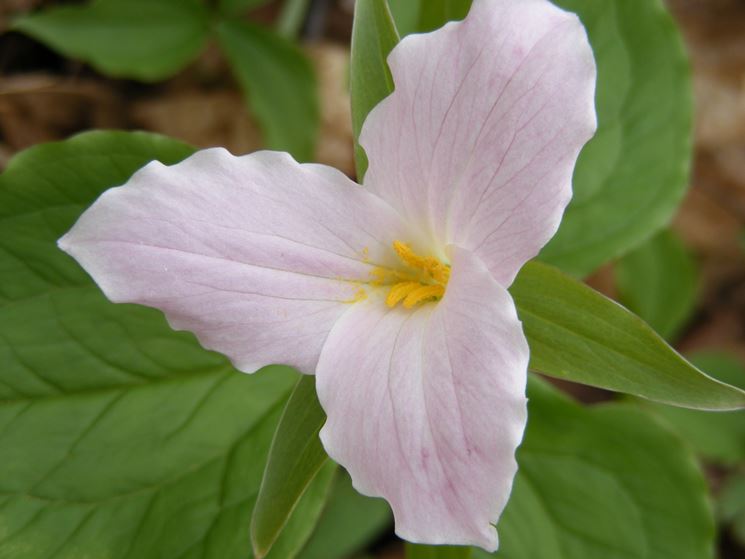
[394, 295]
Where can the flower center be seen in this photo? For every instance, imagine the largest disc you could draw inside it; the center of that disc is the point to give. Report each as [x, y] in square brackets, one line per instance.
[425, 279]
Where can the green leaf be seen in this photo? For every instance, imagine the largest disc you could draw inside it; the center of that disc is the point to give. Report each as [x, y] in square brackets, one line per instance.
[417, 16]
[732, 506]
[723, 366]
[632, 176]
[405, 14]
[146, 40]
[300, 525]
[373, 37]
[436, 13]
[279, 84]
[605, 481]
[658, 281]
[237, 6]
[577, 334]
[349, 522]
[292, 17]
[415, 551]
[294, 460]
[717, 437]
[43, 191]
[121, 438]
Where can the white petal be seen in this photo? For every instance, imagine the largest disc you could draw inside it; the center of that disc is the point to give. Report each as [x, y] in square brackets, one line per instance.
[254, 254]
[426, 408]
[478, 142]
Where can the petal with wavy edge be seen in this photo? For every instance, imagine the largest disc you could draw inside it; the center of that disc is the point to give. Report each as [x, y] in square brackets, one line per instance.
[427, 408]
[478, 141]
[254, 254]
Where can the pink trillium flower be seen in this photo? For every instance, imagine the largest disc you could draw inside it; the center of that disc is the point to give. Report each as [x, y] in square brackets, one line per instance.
[393, 295]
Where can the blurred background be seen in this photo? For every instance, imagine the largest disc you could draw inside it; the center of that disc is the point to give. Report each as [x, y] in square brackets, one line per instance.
[47, 96]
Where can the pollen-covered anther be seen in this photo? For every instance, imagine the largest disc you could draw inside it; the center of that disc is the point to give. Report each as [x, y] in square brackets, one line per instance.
[401, 291]
[423, 293]
[437, 270]
[429, 282]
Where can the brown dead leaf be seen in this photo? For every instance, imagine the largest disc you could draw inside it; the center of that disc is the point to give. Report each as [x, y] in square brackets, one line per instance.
[336, 140]
[714, 234]
[12, 8]
[37, 108]
[200, 117]
[722, 330]
[713, 31]
[218, 116]
[712, 218]
[720, 114]
[604, 281]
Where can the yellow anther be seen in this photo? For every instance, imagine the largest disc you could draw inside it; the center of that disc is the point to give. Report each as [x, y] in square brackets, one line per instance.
[440, 273]
[422, 279]
[425, 279]
[423, 293]
[400, 291]
[408, 256]
[435, 269]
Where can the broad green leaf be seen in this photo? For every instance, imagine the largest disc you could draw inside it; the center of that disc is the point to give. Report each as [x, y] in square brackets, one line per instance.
[717, 437]
[415, 551]
[631, 177]
[577, 334]
[658, 281]
[146, 40]
[279, 84]
[43, 191]
[436, 13]
[238, 6]
[405, 14]
[602, 482]
[295, 458]
[417, 16]
[121, 438]
[349, 522]
[732, 506]
[373, 37]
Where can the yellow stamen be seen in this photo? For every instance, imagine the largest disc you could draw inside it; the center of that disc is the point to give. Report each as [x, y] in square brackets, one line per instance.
[427, 281]
[400, 291]
[423, 293]
[436, 269]
[441, 274]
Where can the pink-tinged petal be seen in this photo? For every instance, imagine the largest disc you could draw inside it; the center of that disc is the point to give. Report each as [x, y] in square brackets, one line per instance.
[478, 142]
[426, 408]
[254, 254]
